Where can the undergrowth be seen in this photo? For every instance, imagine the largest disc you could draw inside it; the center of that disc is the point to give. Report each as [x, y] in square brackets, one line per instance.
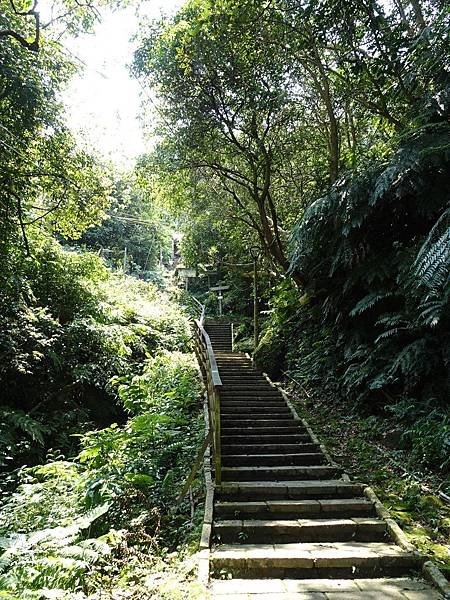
[369, 448]
[106, 522]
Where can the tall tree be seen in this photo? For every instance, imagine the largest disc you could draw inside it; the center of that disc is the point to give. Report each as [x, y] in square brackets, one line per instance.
[225, 106]
[45, 179]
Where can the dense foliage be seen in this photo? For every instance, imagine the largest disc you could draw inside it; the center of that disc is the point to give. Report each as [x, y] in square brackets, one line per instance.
[378, 297]
[326, 124]
[80, 326]
[266, 105]
[103, 519]
[100, 410]
[313, 135]
[137, 233]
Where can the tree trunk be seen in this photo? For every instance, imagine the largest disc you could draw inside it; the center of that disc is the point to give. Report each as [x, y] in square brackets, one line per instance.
[418, 14]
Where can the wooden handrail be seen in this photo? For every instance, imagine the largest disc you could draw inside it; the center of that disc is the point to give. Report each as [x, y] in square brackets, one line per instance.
[202, 308]
[213, 382]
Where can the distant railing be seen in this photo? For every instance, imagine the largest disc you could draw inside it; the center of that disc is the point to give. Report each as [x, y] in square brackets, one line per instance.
[208, 365]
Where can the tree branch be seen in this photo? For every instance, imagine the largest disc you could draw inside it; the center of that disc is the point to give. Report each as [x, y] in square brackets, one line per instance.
[34, 45]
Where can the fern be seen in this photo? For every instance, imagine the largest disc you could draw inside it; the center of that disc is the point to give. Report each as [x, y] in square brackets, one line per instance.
[24, 423]
[432, 265]
[368, 302]
[410, 356]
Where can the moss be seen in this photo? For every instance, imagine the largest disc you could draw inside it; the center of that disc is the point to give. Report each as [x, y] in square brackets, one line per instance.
[356, 442]
[270, 353]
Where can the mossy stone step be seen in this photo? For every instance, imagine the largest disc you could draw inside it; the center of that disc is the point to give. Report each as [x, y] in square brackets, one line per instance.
[263, 430]
[243, 382]
[252, 405]
[273, 421]
[252, 412]
[287, 490]
[241, 386]
[249, 403]
[256, 396]
[249, 450]
[279, 473]
[300, 530]
[289, 509]
[287, 435]
[382, 588]
[255, 411]
[288, 458]
[244, 368]
[314, 559]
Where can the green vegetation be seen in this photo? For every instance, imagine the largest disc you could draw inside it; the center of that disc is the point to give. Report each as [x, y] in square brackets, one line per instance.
[367, 447]
[328, 146]
[316, 132]
[104, 519]
[101, 412]
[319, 132]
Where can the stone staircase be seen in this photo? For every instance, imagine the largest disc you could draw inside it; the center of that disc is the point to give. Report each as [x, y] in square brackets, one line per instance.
[288, 523]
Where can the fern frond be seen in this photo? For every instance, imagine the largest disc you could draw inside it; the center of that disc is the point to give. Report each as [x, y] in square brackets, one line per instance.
[368, 302]
[432, 264]
[410, 359]
[20, 420]
[432, 310]
[390, 333]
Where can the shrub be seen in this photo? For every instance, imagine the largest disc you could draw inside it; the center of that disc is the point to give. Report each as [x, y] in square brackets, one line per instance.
[68, 521]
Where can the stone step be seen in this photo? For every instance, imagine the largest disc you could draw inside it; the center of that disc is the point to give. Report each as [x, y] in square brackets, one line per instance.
[233, 370]
[268, 449]
[381, 588]
[226, 409]
[241, 393]
[253, 404]
[290, 509]
[243, 372]
[255, 409]
[359, 529]
[257, 424]
[314, 559]
[242, 367]
[241, 386]
[253, 398]
[223, 359]
[288, 435]
[262, 430]
[307, 458]
[234, 359]
[264, 419]
[243, 380]
[236, 400]
[289, 490]
[279, 473]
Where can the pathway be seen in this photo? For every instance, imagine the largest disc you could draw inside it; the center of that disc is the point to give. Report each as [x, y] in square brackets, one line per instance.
[288, 523]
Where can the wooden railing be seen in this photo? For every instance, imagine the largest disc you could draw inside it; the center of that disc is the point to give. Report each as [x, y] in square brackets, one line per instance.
[207, 361]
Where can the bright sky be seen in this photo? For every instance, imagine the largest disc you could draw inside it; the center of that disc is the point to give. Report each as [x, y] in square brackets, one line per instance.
[103, 103]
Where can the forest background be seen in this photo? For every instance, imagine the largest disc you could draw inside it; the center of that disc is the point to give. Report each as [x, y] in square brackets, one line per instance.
[315, 131]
